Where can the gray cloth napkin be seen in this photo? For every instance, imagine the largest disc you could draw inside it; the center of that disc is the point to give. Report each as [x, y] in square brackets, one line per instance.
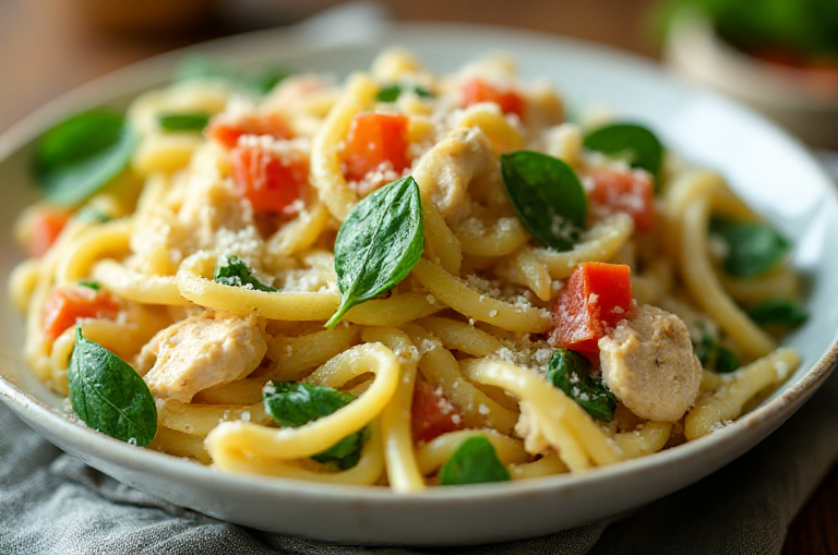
[51, 503]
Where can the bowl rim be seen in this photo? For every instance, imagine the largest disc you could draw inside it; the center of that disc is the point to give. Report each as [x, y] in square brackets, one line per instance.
[135, 77]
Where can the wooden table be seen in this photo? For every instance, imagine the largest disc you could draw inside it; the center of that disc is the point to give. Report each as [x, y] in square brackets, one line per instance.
[47, 48]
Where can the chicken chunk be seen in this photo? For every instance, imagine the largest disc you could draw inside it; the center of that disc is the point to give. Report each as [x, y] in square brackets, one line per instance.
[648, 363]
[445, 172]
[200, 352]
[535, 442]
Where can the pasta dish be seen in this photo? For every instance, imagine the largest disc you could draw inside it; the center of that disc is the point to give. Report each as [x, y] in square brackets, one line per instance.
[403, 280]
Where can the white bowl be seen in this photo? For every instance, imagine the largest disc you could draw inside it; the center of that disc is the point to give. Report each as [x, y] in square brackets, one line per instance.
[696, 53]
[767, 167]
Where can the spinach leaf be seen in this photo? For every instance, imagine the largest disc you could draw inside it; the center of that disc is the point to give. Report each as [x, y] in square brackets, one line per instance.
[712, 355]
[183, 121]
[637, 143]
[294, 404]
[378, 245]
[260, 81]
[726, 360]
[263, 81]
[108, 395]
[548, 197]
[82, 154]
[345, 453]
[474, 462]
[232, 271]
[390, 93]
[91, 214]
[200, 68]
[751, 248]
[779, 312]
[570, 372]
[90, 284]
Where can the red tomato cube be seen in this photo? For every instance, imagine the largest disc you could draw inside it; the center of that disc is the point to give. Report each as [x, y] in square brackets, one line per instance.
[595, 299]
[476, 91]
[373, 140]
[630, 192]
[272, 183]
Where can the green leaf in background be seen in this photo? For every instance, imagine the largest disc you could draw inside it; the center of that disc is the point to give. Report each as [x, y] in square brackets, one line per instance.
[474, 462]
[378, 245]
[570, 372]
[548, 197]
[82, 154]
[93, 215]
[294, 404]
[778, 312]
[108, 395]
[712, 355]
[261, 81]
[637, 144]
[232, 271]
[726, 360]
[390, 93]
[751, 248]
[805, 27]
[90, 285]
[183, 121]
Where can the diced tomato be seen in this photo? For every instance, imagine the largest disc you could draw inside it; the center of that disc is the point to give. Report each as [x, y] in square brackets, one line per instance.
[228, 133]
[477, 90]
[630, 192]
[595, 299]
[271, 182]
[433, 415]
[374, 139]
[66, 305]
[47, 224]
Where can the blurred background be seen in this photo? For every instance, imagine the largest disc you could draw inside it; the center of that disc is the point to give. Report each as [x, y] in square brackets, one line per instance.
[780, 56]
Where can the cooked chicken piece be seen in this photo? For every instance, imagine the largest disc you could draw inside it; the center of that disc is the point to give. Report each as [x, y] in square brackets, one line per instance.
[648, 363]
[445, 172]
[200, 352]
[211, 204]
[544, 108]
[535, 442]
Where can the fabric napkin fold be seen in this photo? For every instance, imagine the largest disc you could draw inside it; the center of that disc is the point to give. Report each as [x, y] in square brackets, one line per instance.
[52, 504]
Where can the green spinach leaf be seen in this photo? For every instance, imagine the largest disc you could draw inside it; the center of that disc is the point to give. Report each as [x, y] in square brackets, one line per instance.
[474, 462]
[726, 360]
[183, 121]
[751, 248]
[638, 144]
[294, 404]
[82, 154]
[570, 372]
[778, 312]
[260, 81]
[548, 197]
[712, 355]
[91, 214]
[378, 245]
[232, 271]
[390, 93]
[108, 395]
[90, 284]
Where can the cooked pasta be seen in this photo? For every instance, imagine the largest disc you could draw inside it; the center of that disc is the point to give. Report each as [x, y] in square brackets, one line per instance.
[404, 281]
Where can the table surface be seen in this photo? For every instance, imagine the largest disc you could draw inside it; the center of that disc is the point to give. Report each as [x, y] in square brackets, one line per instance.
[48, 47]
